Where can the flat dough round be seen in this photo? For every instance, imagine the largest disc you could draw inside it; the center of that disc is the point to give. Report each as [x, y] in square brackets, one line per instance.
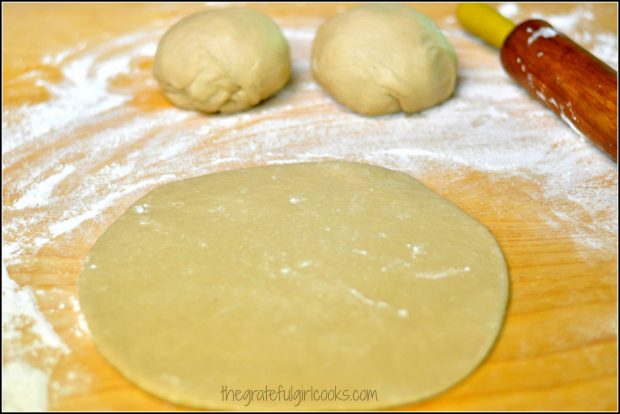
[312, 276]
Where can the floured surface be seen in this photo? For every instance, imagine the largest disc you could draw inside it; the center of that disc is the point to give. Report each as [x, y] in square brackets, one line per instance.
[311, 275]
[86, 132]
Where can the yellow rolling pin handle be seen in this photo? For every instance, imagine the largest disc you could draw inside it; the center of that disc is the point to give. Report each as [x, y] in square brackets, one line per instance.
[485, 22]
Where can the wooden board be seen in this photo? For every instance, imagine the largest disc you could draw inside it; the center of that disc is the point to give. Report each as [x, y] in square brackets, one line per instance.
[86, 133]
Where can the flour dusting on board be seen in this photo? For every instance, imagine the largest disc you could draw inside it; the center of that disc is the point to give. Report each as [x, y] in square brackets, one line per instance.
[24, 387]
[108, 152]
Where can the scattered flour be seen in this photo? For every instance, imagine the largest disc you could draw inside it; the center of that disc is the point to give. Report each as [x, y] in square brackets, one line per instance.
[401, 313]
[509, 10]
[24, 388]
[39, 193]
[546, 32]
[490, 125]
[445, 273]
[606, 48]
[20, 309]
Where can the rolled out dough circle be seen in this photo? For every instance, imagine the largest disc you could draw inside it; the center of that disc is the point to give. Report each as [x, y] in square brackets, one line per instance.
[312, 276]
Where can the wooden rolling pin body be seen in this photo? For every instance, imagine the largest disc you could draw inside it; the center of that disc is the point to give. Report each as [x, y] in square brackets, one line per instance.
[578, 87]
[570, 81]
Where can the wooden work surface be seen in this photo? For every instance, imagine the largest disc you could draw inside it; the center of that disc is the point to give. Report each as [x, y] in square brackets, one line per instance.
[86, 132]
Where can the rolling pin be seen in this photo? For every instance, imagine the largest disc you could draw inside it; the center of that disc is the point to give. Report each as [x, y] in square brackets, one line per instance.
[581, 89]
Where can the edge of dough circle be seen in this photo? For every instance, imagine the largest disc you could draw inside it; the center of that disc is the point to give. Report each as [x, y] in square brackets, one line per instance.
[328, 285]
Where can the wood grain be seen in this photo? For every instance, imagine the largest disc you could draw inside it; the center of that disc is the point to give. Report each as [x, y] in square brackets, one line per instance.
[558, 348]
[567, 79]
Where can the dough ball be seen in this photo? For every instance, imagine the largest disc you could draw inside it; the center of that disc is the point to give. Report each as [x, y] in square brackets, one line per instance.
[224, 60]
[379, 59]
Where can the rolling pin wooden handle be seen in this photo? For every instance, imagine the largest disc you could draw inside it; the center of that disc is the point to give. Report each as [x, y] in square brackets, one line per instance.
[578, 87]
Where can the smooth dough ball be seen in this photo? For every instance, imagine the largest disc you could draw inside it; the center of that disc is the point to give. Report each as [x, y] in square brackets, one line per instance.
[379, 59]
[224, 60]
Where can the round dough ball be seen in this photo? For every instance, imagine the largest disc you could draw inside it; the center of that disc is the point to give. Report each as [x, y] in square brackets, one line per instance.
[379, 59]
[224, 60]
